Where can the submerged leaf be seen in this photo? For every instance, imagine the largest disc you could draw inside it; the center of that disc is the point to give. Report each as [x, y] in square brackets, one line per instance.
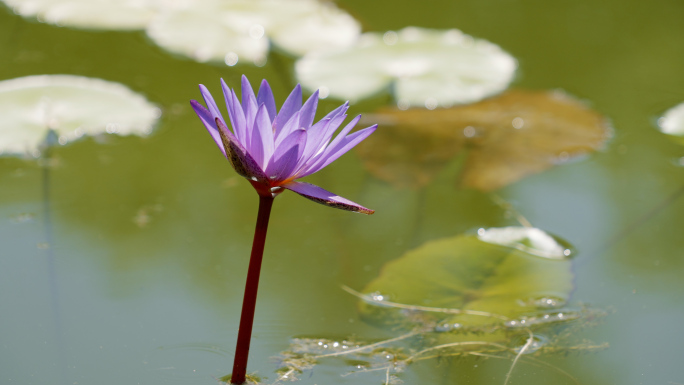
[466, 282]
[71, 106]
[508, 137]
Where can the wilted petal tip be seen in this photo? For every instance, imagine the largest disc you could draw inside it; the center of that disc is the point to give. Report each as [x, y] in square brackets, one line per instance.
[324, 197]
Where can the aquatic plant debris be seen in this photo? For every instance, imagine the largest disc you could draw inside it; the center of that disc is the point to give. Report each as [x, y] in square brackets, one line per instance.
[72, 107]
[502, 139]
[422, 67]
[272, 150]
[389, 358]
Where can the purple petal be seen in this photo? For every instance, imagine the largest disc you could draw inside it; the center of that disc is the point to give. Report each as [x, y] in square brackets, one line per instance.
[347, 144]
[315, 134]
[292, 104]
[319, 136]
[289, 128]
[228, 96]
[322, 133]
[329, 131]
[208, 120]
[309, 111]
[266, 98]
[249, 106]
[239, 158]
[338, 111]
[327, 198]
[320, 155]
[248, 98]
[287, 156]
[209, 100]
[262, 125]
[240, 126]
[256, 147]
[333, 152]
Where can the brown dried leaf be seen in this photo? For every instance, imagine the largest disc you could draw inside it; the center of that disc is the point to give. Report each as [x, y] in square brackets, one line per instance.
[508, 137]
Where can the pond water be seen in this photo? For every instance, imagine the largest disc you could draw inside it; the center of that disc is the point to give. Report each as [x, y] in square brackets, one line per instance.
[123, 258]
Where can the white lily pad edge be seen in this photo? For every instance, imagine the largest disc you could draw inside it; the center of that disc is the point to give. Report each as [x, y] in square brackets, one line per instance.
[672, 121]
[527, 239]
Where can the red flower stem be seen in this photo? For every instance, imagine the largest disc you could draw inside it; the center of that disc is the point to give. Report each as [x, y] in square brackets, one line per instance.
[251, 287]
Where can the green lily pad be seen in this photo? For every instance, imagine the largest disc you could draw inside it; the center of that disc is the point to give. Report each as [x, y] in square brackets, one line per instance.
[426, 68]
[467, 282]
[71, 106]
[672, 123]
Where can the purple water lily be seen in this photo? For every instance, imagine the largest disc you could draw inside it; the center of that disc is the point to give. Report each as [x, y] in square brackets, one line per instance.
[272, 149]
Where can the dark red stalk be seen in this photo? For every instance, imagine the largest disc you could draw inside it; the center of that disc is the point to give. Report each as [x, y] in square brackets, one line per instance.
[251, 287]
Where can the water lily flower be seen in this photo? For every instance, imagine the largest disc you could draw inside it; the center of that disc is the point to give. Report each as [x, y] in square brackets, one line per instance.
[274, 149]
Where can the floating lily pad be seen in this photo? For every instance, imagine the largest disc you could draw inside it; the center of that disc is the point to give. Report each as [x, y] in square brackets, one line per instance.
[89, 14]
[465, 281]
[213, 34]
[672, 122]
[426, 68]
[516, 134]
[230, 31]
[71, 106]
[237, 30]
[312, 26]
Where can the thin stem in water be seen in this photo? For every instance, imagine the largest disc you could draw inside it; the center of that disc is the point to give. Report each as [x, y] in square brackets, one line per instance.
[46, 162]
[251, 287]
